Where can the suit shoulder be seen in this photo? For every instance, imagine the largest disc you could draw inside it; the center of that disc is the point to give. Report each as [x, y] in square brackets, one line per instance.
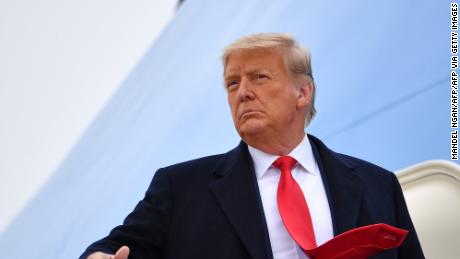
[191, 176]
[375, 178]
[355, 164]
[199, 164]
[364, 167]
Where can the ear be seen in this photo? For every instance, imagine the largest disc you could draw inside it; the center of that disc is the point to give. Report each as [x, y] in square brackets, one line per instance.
[304, 94]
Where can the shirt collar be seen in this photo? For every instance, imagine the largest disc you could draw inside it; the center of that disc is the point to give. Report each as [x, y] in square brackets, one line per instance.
[302, 153]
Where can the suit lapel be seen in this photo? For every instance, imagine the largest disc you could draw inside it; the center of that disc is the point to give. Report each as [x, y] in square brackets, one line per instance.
[343, 186]
[237, 193]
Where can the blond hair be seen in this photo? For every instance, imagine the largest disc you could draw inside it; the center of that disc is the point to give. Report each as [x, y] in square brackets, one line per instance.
[296, 58]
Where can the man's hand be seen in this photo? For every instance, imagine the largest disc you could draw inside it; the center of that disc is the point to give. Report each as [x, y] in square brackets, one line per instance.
[122, 253]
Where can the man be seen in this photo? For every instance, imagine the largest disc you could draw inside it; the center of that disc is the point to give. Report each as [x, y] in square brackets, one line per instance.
[277, 194]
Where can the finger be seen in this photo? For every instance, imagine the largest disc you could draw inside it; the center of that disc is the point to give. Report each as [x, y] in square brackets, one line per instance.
[100, 255]
[122, 253]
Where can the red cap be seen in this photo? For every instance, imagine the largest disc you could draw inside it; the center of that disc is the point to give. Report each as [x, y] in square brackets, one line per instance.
[360, 242]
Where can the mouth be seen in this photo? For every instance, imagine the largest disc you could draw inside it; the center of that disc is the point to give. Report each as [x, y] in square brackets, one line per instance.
[249, 112]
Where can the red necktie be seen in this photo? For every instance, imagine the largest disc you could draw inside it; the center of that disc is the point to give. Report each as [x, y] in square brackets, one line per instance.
[292, 205]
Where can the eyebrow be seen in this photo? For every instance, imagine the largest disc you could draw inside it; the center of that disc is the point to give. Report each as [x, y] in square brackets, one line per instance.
[250, 71]
[230, 76]
[256, 70]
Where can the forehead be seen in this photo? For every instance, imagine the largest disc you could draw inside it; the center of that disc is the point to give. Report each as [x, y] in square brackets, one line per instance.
[259, 59]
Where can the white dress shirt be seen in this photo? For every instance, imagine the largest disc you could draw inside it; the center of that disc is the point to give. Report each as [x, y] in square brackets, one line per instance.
[308, 176]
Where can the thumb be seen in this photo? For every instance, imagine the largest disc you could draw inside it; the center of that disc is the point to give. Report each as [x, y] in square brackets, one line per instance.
[122, 253]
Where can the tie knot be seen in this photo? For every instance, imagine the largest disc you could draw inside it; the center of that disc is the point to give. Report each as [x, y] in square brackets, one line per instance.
[284, 163]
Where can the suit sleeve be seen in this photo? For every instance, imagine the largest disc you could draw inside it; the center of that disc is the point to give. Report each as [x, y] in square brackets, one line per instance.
[410, 248]
[145, 229]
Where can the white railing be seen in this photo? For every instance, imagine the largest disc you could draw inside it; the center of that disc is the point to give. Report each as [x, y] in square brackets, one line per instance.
[432, 192]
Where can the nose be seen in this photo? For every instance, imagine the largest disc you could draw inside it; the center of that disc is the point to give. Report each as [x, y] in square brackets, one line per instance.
[245, 90]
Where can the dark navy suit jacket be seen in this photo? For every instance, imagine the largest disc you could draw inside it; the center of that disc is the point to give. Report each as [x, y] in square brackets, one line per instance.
[211, 208]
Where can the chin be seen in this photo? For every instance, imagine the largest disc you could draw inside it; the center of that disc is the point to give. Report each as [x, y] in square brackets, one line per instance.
[249, 129]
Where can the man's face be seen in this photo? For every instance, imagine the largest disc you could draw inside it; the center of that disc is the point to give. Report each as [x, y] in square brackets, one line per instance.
[263, 100]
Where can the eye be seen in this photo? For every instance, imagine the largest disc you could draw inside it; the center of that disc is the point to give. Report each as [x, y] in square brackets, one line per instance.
[261, 76]
[231, 84]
